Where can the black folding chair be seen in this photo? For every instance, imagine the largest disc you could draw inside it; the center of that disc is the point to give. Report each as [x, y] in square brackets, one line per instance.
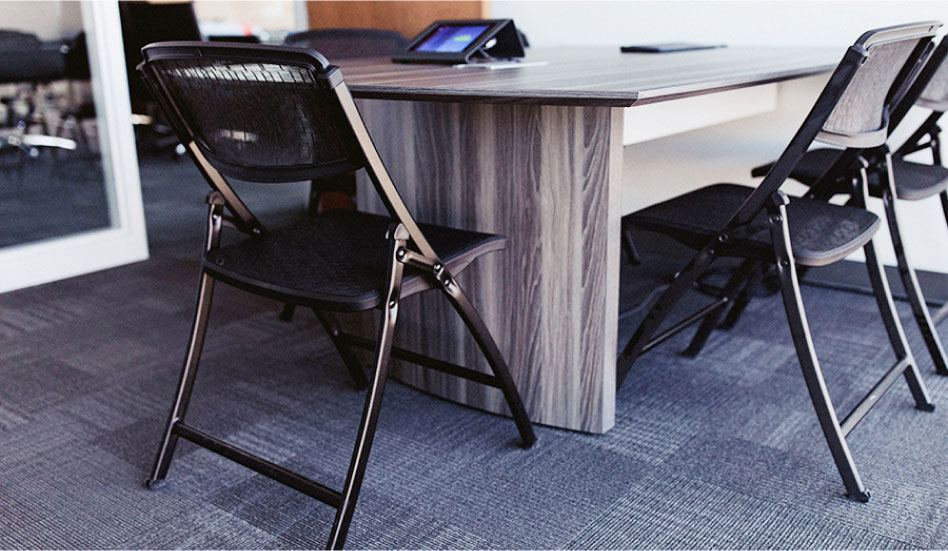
[828, 171]
[766, 228]
[271, 114]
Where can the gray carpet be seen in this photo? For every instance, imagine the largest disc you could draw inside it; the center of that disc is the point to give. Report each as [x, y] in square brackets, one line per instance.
[722, 451]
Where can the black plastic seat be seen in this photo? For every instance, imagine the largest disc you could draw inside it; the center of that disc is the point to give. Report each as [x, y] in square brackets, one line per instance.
[267, 115]
[820, 233]
[765, 229]
[915, 181]
[337, 259]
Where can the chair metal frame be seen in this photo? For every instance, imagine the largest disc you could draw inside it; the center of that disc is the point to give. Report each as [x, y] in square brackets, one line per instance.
[878, 162]
[770, 199]
[408, 246]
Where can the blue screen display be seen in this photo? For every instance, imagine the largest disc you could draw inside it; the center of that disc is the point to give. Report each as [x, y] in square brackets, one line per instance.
[449, 38]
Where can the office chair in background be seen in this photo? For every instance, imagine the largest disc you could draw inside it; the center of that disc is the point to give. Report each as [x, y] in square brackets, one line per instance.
[764, 227]
[27, 65]
[144, 23]
[267, 114]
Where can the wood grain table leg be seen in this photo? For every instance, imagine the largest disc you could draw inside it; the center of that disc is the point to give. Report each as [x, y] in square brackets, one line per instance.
[548, 178]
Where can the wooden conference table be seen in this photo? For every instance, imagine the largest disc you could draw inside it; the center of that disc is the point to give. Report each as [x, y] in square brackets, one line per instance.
[536, 153]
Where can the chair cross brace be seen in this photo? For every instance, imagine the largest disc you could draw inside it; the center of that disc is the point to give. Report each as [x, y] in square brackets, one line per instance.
[258, 464]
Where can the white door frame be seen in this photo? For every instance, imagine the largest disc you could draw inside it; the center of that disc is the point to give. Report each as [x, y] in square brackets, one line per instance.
[125, 241]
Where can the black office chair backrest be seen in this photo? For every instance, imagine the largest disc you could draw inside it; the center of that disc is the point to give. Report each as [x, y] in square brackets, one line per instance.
[893, 56]
[147, 22]
[853, 109]
[349, 43]
[18, 40]
[273, 119]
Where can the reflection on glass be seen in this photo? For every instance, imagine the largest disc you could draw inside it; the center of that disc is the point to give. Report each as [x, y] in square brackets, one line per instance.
[51, 178]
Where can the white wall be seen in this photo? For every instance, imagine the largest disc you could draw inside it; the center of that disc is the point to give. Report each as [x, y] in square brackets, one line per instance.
[49, 20]
[549, 23]
[669, 166]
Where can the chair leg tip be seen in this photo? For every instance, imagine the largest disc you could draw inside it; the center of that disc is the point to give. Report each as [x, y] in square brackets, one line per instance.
[861, 497]
[926, 407]
[689, 353]
[527, 443]
[154, 484]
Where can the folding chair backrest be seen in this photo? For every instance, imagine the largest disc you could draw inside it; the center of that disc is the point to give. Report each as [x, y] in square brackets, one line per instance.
[266, 114]
[935, 95]
[260, 114]
[853, 108]
[893, 56]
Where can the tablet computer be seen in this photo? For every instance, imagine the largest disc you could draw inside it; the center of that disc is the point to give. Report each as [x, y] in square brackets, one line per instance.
[453, 42]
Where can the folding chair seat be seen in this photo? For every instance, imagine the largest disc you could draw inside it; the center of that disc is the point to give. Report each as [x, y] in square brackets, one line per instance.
[820, 233]
[336, 260]
[914, 181]
[767, 229]
[265, 115]
[828, 171]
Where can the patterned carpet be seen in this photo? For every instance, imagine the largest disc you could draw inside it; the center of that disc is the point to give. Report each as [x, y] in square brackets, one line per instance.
[722, 451]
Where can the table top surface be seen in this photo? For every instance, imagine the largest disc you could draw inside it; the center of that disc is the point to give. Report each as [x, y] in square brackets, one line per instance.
[589, 75]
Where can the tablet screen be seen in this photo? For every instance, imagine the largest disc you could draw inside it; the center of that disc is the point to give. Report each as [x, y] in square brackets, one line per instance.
[451, 38]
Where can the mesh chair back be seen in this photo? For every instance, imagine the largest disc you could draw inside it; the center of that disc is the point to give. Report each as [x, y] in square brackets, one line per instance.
[853, 108]
[349, 43]
[276, 119]
[935, 95]
[860, 117]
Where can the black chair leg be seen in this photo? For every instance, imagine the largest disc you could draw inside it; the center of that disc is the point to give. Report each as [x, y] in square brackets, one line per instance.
[812, 374]
[893, 327]
[942, 312]
[735, 284]
[186, 383]
[640, 341]
[373, 400]
[352, 364]
[912, 288]
[495, 359]
[628, 245]
[744, 298]
[287, 313]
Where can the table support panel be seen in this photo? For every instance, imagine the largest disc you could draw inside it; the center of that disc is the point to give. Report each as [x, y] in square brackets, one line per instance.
[548, 178]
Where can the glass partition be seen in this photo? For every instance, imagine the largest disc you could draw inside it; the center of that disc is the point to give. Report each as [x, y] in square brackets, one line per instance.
[70, 200]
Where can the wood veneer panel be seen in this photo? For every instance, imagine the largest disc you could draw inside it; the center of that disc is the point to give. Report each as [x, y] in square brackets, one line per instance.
[590, 76]
[408, 17]
[547, 178]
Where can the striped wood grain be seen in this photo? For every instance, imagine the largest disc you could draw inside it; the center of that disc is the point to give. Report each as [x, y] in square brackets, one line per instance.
[590, 76]
[547, 178]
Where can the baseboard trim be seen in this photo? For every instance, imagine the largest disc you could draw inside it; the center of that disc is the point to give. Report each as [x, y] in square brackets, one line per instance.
[850, 275]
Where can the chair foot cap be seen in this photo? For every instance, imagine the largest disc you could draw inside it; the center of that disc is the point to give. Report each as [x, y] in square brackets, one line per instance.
[153, 484]
[926, 407]
[861, 497]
